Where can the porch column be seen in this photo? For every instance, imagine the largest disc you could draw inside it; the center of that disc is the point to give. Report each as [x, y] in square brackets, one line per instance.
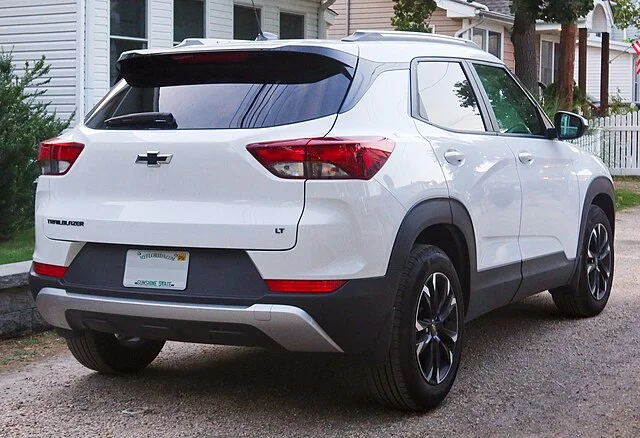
[604, 74]
[582, 59]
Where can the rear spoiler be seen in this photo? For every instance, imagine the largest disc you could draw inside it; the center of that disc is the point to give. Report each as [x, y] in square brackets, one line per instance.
[155, 69]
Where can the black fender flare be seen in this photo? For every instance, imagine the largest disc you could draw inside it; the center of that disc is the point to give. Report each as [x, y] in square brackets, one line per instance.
[599, 186]
[425, 214]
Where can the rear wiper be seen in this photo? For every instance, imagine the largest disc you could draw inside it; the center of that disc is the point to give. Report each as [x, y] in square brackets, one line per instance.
[143, 120]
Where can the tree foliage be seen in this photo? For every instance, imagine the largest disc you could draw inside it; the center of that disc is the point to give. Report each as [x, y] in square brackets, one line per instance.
[564, 12]
[24, 122]
[626, 13]
[412, 15]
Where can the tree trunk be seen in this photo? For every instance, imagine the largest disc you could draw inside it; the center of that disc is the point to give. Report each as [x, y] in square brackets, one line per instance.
[524, 45]
[568, 59]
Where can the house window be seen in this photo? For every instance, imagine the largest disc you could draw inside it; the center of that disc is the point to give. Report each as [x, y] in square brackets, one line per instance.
[188, 19]
[549, 62]
[244, 22]
[291, 26]
[488, 41]
[128, 30]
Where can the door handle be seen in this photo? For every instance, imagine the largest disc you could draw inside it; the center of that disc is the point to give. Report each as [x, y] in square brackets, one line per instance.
[454, 157]
[526, 158]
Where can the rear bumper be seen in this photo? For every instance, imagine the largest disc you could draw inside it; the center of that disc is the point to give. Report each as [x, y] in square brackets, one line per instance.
[288, 326]
[355, 320]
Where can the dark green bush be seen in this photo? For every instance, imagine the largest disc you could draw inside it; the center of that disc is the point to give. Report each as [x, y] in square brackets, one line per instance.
[24, 122]
[551, 105]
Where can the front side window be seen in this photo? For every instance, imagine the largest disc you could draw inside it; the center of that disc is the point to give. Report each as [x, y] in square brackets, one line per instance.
[514, 111]
[188, 19]
[291, 26]
[245, 26]
[128, 20]
[446, 97]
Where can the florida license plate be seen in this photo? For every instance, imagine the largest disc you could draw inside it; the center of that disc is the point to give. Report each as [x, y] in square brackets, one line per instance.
[156, 269]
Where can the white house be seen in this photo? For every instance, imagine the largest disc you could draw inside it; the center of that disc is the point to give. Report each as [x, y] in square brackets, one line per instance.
[82, 39]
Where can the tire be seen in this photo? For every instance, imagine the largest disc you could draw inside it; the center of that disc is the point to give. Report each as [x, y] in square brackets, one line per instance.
[589, 295]
[106, 353]
[406, 380]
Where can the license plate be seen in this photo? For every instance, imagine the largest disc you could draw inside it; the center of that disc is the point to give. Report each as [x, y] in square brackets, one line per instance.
[156, 269]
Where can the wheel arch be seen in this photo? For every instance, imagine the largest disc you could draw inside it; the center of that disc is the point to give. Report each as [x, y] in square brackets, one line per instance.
[445, 223]
[601, 193]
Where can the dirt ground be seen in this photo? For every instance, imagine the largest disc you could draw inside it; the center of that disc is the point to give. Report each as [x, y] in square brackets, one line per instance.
[628, 184]
[526, 371]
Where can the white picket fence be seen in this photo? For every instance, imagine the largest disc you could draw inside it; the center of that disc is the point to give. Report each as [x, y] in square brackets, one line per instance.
[616, 140]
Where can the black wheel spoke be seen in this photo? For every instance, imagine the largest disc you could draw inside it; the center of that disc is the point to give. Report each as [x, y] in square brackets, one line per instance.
[436, 328]
[435, 360]
[433, 288]
[598, 263]
[447, 336]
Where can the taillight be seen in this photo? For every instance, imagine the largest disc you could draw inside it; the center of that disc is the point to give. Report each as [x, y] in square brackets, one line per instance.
[324, 158]
[49, 270]
[56, 156]
[304, 286]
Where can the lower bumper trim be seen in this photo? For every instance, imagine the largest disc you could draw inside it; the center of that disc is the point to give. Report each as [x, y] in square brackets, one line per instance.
[289, 326]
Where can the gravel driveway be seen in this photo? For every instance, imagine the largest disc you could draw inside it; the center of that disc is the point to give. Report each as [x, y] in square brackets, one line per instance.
[526, 370]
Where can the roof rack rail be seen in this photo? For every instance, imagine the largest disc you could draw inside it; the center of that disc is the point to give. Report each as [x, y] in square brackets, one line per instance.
[394, 35]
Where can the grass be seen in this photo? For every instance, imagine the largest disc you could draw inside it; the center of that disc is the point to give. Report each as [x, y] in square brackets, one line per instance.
[28, 349]
[627, 192]
[626, 198]
[19, 248]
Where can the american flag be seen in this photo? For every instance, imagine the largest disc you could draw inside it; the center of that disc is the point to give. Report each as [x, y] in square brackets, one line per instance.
[636, 47]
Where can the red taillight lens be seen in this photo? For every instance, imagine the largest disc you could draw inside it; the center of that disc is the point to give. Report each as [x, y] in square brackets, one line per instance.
[324, 158]
[49, 270]
[304, 286]
[56, 156]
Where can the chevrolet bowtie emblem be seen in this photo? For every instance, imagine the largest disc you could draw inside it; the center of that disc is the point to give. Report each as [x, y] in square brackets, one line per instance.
[154, 158]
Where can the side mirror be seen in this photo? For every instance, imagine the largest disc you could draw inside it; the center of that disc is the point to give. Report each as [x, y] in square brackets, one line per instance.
[570, 126]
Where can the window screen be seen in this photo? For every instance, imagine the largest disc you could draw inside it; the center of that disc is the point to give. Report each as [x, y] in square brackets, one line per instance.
[188, 19]
[245, 26]
[291, 26]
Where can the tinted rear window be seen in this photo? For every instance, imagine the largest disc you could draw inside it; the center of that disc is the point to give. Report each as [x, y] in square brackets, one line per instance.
[228, 90]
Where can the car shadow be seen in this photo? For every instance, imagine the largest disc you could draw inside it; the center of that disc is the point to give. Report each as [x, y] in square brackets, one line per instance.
[224, 380]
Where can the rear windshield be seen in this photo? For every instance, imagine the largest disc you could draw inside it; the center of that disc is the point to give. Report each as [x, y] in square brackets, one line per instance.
[226, 90]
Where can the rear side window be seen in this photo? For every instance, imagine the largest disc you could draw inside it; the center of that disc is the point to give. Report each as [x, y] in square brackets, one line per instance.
[227, 90]
[446, 97]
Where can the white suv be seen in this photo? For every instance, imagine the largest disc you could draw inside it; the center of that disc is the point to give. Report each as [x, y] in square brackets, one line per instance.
[364, 197]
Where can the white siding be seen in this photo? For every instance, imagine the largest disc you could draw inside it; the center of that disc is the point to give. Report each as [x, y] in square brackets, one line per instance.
[160, 23]
[621, 71]
[97, 51]
[32, 28]
[219, 19]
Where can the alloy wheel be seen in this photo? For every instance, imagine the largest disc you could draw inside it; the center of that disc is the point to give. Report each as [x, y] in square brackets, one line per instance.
[598, 261]
[437, 328]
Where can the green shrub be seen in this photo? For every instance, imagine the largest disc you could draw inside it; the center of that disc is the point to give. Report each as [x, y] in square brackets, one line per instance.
[24, 122]
[551, 105]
